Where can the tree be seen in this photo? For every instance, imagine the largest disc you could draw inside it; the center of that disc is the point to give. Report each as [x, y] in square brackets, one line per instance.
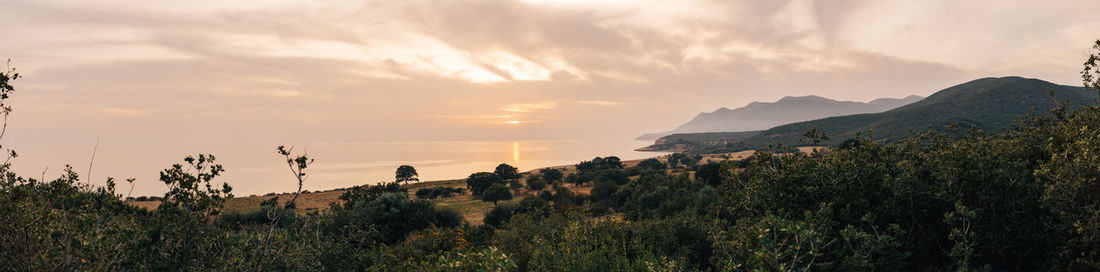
[1091, 74]
[615, 175]
[499, 215]
[507, 172]
[652, 164]
[406, 173]
[598, 163]
[603, 190]
[551, 175]
[710, 173]
[536, 183]
[496, 192]
[478, 182]
[193, 192]
[675, 159]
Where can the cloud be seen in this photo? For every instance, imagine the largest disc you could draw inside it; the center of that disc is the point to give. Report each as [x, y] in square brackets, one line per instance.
[528, 107]
[598, 103]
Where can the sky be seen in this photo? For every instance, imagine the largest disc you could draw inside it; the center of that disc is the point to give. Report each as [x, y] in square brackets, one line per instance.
[155, 80]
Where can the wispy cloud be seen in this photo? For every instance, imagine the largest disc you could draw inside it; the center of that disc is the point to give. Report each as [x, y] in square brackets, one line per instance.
[529, 107]
[598, 103]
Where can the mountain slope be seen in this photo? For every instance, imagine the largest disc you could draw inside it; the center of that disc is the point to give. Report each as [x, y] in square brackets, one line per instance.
[989, 104]
[763, 115]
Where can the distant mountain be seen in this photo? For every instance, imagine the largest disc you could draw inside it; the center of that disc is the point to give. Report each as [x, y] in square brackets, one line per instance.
[989, 104]
[763, 115]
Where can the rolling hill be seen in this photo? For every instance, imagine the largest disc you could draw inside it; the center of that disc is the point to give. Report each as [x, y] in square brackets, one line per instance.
[989, 104]
[764, 115]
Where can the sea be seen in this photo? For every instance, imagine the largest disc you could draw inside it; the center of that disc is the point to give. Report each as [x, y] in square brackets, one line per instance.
[256, 169]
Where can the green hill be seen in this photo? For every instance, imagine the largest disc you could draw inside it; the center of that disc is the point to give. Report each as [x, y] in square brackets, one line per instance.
[989, 104]
[695, 141]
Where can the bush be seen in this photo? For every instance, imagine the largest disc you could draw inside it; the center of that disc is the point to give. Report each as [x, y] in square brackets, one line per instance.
[651, 164]
[495, 193]
[551, 175]
[535, 183]
[499, 215]
[603, 190]
[546, 195]
[533, 205]
[710, 173]
[618, 176]
[438, 191]
[263, 216]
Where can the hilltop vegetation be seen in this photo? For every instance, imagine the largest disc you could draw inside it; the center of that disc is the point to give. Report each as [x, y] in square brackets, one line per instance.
[1025, 198]
[990, 104]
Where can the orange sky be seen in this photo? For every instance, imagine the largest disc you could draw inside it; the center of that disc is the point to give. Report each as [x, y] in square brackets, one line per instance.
[216, 75]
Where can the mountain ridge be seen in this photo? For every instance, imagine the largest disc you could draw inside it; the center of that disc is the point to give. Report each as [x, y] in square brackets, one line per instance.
[788, 109]
[986, 103]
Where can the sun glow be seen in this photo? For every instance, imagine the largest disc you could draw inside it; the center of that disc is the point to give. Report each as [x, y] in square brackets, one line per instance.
[513, 122]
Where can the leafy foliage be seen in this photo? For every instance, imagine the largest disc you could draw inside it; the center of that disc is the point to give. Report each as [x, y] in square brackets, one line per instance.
[496, 192]
[405, 174]
[506, 172]
[438, 191]
[478, 182]
[551, 175]
[190, 190]
[599, 163]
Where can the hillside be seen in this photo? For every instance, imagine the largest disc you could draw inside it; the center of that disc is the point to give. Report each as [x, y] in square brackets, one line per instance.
[692, 141]
[988, 104]
[764, 115]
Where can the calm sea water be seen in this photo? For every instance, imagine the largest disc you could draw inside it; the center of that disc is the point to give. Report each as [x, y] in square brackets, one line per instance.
[255, 168]
[347, 164]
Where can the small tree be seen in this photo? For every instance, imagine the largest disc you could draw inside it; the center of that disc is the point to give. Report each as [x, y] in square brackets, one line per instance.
[710, 173]
[406, 173]
[1091, 74]
[496, 192]
[536, 183]
[478, 182]
[193, 192]
[552, 175]
[652, 164]
[507, 172]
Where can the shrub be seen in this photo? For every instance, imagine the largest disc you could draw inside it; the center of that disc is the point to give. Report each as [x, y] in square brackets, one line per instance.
[651, 164]
[495, 193]
[618, 176]
[551, 174]
[263, 216]
[499, 215]
[546, 195]
[438, 191]
[535, 183]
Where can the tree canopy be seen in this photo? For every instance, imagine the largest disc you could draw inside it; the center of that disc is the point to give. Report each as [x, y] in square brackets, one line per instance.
[507, 172]
[406, 173]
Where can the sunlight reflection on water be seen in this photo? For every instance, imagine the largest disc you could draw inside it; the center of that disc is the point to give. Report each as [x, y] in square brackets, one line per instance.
[347, 164]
